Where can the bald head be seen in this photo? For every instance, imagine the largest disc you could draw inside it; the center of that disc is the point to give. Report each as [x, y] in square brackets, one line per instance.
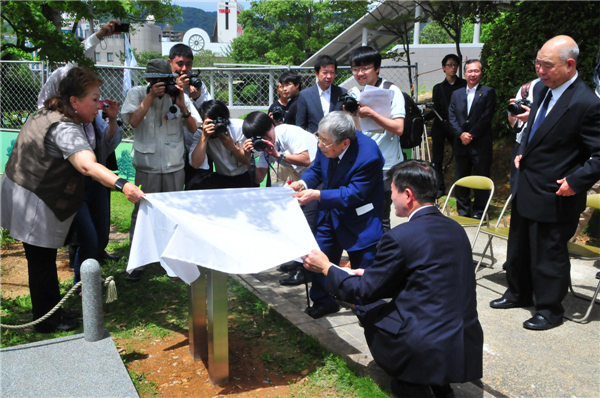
[557, 60]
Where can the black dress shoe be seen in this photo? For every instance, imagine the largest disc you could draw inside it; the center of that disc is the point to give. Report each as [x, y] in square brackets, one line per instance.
[68, 315]
[505, 304]
[65, 325]
[105, 256]
[538, 322]
[135, 275]
[288, 267]
[402, 389]
[322, 310]
[443, 391]
[297, 278]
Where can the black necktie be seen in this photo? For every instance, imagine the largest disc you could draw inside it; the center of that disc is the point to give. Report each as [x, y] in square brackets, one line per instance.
[334, 164]
[541, 116]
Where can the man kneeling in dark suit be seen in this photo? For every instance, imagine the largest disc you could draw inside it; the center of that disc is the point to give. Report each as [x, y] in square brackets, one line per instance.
[429, 334]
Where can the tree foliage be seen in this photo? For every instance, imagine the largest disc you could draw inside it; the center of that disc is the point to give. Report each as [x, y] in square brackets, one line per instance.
[37, 24]
[451, 15]
[433, 33]
[517, 34]
[289, 32]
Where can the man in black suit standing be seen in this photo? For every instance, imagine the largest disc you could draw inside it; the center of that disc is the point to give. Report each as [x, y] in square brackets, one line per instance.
[441, 131]
[429, 334]
[558, 161]
[470, 115]
[317, 101]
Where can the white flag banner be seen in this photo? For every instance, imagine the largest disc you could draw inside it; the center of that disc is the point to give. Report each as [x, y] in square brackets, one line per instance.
[236, 231]
[129, 61]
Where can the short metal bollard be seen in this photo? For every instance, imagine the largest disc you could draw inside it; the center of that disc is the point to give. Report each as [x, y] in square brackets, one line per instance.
[93, 313]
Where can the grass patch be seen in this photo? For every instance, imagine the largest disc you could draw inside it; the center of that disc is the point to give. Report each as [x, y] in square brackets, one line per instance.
[5, 237]
[120, 211]
[144, 387]
[338, 380]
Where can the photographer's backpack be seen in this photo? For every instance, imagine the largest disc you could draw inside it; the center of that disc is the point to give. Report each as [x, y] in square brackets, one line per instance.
[413, 121]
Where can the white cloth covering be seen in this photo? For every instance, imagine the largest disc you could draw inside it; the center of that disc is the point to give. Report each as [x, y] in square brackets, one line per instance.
[237, 231]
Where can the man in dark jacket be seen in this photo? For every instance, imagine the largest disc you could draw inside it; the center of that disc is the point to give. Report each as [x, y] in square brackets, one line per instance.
[429, 334]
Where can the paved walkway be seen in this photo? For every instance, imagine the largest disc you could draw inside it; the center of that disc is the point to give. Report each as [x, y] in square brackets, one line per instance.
[65, 367]
[561, 362]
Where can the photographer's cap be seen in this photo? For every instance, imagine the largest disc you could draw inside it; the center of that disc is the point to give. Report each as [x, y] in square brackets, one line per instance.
[157, 68]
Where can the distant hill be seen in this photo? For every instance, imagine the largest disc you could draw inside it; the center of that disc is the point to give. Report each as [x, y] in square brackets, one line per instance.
[195, 18]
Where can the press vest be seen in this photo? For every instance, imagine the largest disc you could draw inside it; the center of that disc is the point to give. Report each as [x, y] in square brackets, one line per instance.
[54, 180]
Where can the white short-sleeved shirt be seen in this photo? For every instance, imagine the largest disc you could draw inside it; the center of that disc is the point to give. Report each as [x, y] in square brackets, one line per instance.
[389, 143]
[292, 140]
[530, 98]
[27, 217]
[224, 161]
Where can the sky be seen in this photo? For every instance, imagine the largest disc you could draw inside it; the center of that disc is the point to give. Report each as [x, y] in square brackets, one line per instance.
[206, 5]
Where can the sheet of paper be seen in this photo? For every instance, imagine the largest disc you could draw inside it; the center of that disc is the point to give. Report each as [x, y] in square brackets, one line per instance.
[378, 99]
[237, 231]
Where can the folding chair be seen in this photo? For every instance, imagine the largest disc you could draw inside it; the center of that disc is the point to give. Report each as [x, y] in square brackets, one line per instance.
[586, 252]
[473, 182]
[496, 232]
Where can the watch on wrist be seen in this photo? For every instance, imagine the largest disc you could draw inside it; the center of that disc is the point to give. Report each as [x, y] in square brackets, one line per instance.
[281, 156]
[186, 114]
[120, 183]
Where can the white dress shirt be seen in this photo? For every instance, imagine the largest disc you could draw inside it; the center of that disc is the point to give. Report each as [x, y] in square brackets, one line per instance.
[325, 97]
[470, 96]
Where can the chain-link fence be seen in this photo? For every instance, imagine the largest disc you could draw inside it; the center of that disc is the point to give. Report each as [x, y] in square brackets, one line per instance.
[243, 89]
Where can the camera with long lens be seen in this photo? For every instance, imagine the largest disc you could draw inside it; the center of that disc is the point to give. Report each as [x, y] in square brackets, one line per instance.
[170, 85]
[220, 126]
[259, 144]
[195, 80]
[350, 103]
[516, 108]
[278, 113]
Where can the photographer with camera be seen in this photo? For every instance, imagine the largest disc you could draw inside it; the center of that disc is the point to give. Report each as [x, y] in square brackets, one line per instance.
[366, 63]
[158, 112]
[284, 110]
[221, 138]
[441, 129]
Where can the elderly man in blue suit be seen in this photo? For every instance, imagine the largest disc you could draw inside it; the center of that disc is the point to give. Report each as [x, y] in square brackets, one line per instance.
[317, 101]
[429, 334]
[348, 164]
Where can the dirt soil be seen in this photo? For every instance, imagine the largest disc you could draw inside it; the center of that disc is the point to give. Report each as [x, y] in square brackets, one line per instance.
[167, 362]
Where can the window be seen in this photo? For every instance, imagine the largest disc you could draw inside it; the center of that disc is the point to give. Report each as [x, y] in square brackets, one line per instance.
[97, 57]
[109, 57]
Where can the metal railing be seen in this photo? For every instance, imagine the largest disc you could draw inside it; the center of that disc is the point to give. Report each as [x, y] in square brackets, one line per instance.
[241, 88]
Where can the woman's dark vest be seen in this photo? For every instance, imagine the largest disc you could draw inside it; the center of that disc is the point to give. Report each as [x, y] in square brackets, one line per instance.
[54, 180]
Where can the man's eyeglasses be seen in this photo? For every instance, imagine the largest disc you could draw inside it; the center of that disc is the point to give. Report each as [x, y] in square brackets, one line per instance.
[321, 142]
[452, 65]
[363, 70]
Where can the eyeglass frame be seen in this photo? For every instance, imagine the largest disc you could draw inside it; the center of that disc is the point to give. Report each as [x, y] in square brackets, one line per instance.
[320, 141]
[365, 69]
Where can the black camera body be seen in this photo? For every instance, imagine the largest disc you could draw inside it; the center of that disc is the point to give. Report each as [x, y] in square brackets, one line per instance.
[259, 144]
[195, 80]
[516, 107]
[278, 113]
[170, 86]
[350, 103]
[220, 126]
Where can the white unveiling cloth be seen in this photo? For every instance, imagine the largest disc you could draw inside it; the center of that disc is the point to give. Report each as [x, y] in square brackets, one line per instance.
[236, 231]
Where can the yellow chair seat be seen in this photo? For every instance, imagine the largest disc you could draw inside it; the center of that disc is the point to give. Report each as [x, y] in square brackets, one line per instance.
[499, 232]
[583, 251]
[465, 220]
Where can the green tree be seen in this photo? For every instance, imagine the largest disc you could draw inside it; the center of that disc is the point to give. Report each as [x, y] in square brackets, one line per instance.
[126, 169]
[37, 24]
[433, 33]
[397, 18]
[289, 32]
[142, 57]
[451, 16]
[517, 34]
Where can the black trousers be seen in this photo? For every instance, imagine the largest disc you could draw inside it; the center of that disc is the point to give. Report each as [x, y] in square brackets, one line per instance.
[439, 135]
[477, 163]
[43, 281]
[537, 263]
